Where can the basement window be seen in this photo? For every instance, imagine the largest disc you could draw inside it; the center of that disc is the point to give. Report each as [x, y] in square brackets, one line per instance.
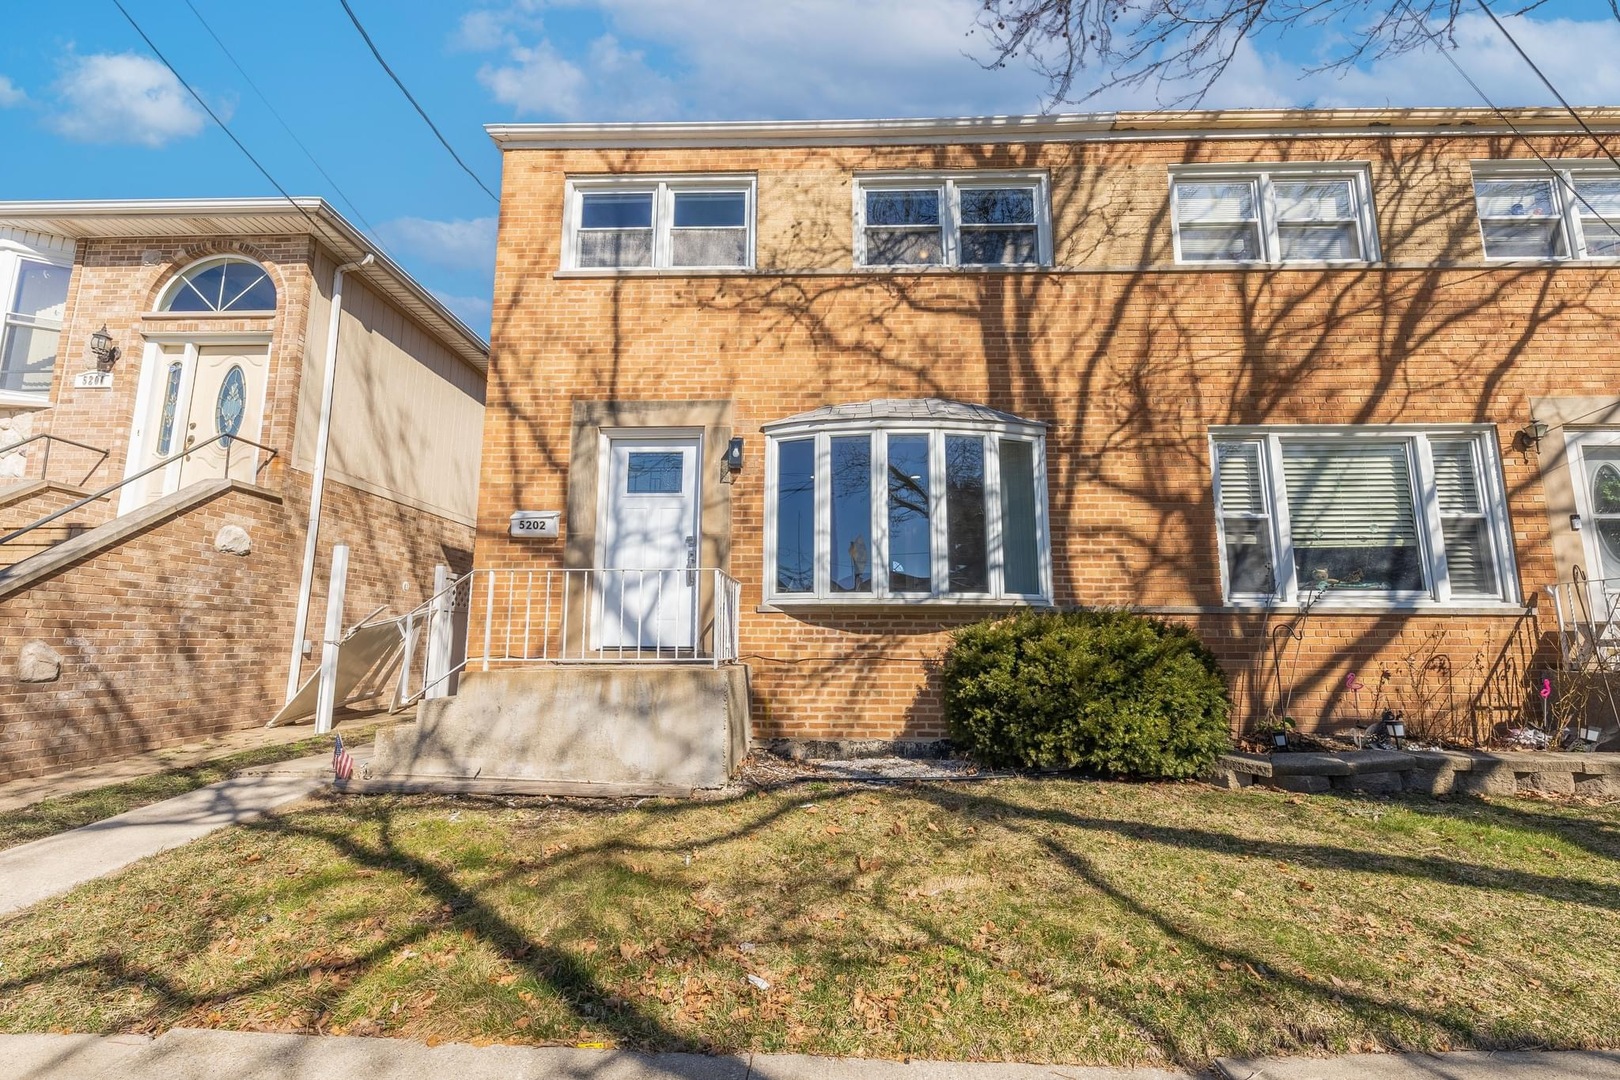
[643, 223]
[1375, 515]
[906, 501]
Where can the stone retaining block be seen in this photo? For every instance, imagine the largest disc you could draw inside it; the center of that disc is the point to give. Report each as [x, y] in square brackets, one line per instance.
[1429, 772]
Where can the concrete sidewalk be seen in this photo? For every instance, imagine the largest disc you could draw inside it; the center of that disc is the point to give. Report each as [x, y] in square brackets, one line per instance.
[48, 867]
[184, 1054]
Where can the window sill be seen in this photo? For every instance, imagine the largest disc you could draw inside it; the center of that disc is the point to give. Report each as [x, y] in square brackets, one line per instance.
[1375, 606]
[655, 271]
[20, 399]
[783, 604]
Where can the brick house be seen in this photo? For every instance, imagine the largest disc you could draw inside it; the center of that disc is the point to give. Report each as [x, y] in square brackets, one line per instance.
[223, 392]
[1206, 365]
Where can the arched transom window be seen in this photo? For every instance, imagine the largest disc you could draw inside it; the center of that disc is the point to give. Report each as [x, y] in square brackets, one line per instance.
[223, 284]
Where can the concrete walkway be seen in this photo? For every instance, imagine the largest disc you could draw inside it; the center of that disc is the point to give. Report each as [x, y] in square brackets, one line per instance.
[15, 794]
[44, 868]
[184, 1054]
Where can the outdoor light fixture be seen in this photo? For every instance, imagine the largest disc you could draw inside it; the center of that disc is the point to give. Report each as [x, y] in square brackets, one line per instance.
[1575, 522]
[1279, 739]
[1532, 434]
[106, 352]
[734, 454]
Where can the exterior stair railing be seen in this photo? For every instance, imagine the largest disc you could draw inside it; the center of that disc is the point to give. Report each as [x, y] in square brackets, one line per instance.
[229, 441]
[45, 459]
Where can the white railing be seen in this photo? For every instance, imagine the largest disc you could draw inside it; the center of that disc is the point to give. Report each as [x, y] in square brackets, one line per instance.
[591, 616]
[1588, 611]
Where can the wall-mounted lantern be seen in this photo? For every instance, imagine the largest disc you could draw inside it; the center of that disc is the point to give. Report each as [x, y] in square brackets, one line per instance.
[734, 455]
[105, 351]
[1531, 434]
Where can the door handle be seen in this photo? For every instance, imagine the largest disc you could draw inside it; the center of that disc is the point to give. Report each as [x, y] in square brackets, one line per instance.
[691, 561]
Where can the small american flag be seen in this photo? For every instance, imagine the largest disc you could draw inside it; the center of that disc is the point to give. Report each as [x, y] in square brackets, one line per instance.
[342, 763]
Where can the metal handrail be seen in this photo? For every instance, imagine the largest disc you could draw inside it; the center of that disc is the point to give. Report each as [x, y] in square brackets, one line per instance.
[45, 461]
[171, 459]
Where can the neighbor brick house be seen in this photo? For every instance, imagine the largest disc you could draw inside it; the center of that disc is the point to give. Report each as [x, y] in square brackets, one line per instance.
[208, 404]
[1203, 365]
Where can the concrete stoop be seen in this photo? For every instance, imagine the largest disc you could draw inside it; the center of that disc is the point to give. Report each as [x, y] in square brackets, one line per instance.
[608, 728]
[1428, 772]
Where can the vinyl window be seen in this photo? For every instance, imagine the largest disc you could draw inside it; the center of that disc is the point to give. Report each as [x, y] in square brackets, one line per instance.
[1375, 515]
[35, 296]
[1279, 215]
[903, 513]
[1527, 211]
[651, 223]
[983, 220]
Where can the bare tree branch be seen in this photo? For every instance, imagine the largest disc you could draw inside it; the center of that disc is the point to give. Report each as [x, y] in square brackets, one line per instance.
[1180, 48]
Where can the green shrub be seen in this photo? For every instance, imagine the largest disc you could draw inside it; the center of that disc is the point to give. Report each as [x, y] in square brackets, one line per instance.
[1105, 691]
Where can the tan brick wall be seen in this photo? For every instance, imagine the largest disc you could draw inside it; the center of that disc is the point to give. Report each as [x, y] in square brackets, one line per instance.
[166, 640]
[1129, 360]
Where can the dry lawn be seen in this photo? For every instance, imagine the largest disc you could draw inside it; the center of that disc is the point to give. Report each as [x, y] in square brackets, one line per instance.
[1045, 921]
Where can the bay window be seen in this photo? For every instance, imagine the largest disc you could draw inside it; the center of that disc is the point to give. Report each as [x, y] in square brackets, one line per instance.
[1384, 514]
[906, 501]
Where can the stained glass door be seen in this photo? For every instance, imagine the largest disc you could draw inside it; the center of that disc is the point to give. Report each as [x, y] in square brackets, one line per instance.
[227, 398]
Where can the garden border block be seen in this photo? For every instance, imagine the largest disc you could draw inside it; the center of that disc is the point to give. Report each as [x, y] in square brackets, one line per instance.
[1431, 772]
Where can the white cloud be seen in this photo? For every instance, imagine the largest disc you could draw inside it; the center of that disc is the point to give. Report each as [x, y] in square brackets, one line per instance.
[467, 244]
[124, 98]
[472, 310]
[853, 58]
[10, 93]
[741, 58]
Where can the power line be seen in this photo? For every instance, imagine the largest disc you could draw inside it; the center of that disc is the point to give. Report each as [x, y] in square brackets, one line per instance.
[215, 117]
[408, 97]
[1548, 83]
[1551, 168]
[355, 210]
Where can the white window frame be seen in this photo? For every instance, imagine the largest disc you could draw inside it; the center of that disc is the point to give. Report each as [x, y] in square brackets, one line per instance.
[950, 185]
[1567, 205]
[1358, 173]
[1437, 591]
[182, 276]
[823, 432]
[12, 258]
[663, 189]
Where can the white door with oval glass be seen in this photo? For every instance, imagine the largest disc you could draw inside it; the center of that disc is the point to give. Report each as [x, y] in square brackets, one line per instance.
[647, 593]
[204, 399]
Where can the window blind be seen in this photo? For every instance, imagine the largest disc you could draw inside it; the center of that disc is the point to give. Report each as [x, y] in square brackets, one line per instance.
[1240, 482]
[1462, 518]
[1348, 495]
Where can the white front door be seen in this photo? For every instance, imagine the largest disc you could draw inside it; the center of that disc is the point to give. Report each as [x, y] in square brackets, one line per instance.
[648, 590]
[190, 394]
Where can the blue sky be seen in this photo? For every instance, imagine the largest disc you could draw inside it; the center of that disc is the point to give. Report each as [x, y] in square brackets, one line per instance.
[85, 112]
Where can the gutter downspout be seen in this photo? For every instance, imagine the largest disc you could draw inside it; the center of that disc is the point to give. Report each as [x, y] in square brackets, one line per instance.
[318, 480]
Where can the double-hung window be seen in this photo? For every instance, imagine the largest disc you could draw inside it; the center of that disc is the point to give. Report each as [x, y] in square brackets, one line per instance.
[1373, 514]
[1527, 211]
[35, 297]
[1278, 214]
[646, 223]
[977, 219]
[906, 501]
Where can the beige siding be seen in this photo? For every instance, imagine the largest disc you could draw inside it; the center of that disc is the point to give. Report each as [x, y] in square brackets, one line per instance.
[407, 413]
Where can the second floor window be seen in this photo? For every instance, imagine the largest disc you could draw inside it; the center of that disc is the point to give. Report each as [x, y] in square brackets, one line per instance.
[1272, 216]
[969, 220]
[1527, 212]
[671, 223]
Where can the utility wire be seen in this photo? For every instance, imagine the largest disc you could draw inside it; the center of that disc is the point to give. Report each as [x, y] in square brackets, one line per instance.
[355, 210]
[1548, 83]
[215, 116]
[1551, 168]
[414, 104]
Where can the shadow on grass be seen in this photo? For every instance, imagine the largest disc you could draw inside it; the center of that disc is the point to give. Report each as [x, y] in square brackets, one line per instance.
[1058, 832]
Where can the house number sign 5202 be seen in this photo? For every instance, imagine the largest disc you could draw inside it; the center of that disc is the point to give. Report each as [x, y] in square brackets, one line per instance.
[536, 524]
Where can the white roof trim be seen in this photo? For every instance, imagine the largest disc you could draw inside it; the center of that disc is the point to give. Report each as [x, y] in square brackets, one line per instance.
[308, 216]
[1115, 126]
